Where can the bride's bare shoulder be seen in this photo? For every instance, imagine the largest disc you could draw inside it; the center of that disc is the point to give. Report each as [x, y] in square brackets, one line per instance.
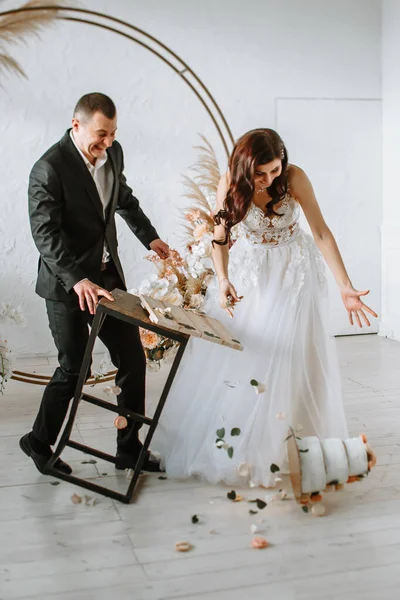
[223, 187]
[225, 180]
[295, 174]
[297, 180]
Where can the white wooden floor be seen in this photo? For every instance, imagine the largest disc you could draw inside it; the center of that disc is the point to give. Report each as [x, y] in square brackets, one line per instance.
[52, 548]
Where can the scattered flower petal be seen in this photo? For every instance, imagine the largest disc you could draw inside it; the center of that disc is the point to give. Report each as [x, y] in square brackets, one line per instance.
[252, 484]
[113, 390]
[259, 543]
[238, 498]
[257, 528]
[281, 415]
[260, 389]
[316, 498]
[243, 469]
[120, 422]
[76, 499]
[183, 546]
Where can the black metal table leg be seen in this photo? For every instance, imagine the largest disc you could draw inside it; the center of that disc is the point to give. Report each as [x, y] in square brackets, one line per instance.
[155, 419]
[103, 312]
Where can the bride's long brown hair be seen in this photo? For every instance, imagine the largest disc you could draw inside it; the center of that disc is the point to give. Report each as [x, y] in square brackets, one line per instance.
[254, 148]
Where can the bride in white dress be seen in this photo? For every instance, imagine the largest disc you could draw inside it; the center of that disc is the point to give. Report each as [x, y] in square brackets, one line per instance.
[276, 290]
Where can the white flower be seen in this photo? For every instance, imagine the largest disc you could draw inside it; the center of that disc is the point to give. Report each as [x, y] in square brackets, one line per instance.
[160, 288]
[173, 280]
[174, 297]
[252, 484]
[318, 510]
[196, 301]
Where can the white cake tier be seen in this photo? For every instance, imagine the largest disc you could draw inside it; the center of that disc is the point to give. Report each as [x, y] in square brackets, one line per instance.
[356, 456]
[312, 466]
[336, 463]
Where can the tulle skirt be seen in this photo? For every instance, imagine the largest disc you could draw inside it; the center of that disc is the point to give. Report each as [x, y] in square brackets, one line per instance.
[288, 353]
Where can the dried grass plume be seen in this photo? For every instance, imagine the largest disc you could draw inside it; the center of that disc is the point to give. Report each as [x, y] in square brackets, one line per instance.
[16, 27]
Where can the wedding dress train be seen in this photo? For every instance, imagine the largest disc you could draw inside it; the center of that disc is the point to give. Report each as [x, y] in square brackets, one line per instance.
[281, 322]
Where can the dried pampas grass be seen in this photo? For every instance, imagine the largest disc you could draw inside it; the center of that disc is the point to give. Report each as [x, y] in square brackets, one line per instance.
[15, 27]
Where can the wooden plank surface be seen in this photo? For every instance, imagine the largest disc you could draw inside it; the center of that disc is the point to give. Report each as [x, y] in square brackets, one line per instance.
[150, 311]
[189, 322]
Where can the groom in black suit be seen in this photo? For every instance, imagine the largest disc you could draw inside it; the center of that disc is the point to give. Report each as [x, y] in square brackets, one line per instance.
[75, 189]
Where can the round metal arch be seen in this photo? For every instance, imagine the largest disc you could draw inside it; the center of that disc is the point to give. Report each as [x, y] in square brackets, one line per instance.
[181, 68]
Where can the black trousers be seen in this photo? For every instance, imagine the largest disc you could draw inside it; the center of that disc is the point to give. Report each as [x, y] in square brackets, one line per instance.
[69, 326]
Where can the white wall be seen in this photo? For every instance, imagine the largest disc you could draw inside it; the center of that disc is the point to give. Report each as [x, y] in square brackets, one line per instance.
[248, 53]
[390, 325]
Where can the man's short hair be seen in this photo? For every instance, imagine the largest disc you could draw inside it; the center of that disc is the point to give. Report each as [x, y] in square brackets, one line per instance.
[89, 104]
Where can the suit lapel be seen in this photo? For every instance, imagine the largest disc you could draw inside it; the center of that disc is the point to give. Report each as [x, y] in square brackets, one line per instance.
[114, 194]
[75, 160]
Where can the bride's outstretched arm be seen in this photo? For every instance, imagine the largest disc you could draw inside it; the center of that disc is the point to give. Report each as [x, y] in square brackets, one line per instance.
[302, 190]
[220, 255]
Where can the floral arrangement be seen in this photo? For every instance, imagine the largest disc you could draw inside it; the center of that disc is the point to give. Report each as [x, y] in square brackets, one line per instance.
[182, 280]
[5, 364]
[7, 313]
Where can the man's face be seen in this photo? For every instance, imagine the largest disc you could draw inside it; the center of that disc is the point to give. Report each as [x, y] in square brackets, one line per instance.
[94, 135]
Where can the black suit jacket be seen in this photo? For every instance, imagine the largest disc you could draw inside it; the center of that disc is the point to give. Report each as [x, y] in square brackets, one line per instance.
[67, 221]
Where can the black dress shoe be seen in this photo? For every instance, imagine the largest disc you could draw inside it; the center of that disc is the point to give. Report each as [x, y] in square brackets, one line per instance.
[128, 461]
[42, 458]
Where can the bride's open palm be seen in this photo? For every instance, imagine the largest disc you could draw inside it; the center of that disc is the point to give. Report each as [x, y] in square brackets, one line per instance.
[355, 306]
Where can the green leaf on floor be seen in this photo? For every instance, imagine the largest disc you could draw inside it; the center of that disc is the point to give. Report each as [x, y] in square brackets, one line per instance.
[274, 468]
[231, 495]
[230, 451]
[221, 433]
[235, 431]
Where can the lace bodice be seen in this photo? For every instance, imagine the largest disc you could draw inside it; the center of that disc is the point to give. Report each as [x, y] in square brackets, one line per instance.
[277, 230]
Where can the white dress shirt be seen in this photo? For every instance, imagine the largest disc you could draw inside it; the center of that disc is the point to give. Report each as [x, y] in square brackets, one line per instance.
[103, 177]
